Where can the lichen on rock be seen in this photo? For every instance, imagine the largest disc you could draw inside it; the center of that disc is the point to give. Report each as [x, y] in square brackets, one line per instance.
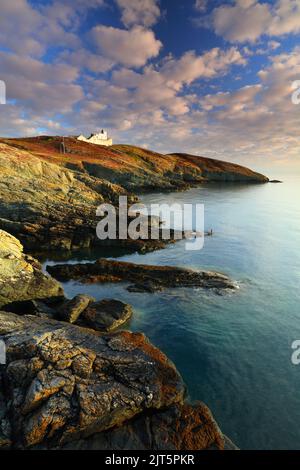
[21, 276]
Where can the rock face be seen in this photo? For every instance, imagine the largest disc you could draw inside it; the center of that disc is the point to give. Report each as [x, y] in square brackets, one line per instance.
[64, 384]
[21, 276]
[145, 278]
[179, 427]
[48, 206]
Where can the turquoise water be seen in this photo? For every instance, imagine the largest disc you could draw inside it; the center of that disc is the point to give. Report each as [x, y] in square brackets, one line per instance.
[233, 351]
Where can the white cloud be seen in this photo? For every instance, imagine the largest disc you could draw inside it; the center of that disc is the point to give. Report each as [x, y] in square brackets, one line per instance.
[27, 31]
[245, 21]
[161, 88]
[42, 87]
[273, 45]
[248, 20]
[286, 18]
[159, 104]
[84, 59]
[139, 12]
[132, 48]
[190, 66]
[201, 5]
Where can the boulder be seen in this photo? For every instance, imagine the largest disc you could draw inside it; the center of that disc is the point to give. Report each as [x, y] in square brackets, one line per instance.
[107, 315]
[72, 309]
[21, 276]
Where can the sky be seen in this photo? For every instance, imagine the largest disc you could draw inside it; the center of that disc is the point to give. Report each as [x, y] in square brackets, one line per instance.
[212, 78]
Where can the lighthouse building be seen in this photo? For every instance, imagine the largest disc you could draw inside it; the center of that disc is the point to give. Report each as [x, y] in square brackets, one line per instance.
[97, 139]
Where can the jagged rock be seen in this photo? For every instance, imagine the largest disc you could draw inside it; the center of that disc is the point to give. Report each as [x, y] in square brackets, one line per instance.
[71, 310]
[65, 383]
[146, 278]
[21, 276]
[107, 315]
[180, 427]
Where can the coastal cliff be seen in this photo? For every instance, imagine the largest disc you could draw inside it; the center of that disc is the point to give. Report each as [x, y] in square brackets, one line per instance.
[134, 168]
[49, 199]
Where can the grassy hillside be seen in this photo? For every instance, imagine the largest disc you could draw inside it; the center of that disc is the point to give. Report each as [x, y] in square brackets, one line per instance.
[135, 168]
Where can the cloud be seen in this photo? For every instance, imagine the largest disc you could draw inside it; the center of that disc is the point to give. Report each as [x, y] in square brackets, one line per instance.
[26, 30]
[190, 66]
[84, 59]
[132, 48]
[139, 12]
[245, 21]
[248, 20]
[170, 104]
[45, 88]
[161, 88]
[286, 18]
[255, 123]
[201, 5]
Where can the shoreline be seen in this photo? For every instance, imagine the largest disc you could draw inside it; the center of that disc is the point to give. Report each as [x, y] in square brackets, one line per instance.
[30, 303]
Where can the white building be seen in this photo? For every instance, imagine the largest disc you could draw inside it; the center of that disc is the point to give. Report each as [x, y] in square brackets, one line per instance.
[97, 139]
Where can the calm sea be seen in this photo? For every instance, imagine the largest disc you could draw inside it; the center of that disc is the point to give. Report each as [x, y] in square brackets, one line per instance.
[233, 350]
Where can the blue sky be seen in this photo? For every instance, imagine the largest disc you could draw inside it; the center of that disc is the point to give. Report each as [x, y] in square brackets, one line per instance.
[207, 77]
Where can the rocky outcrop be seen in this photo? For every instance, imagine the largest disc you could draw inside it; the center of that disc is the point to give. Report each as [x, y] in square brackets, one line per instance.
[49, 199]
[145, 278]
[65, 386]
[49, 207]
[134, 168]
[21, 276]
[105, 315]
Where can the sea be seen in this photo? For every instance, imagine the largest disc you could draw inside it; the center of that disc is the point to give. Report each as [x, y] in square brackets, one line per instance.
[234, 351]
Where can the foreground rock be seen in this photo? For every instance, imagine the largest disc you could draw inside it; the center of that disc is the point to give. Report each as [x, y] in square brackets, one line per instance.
[145, 278]
[63, 384]
[21, 276]
[179, 427]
